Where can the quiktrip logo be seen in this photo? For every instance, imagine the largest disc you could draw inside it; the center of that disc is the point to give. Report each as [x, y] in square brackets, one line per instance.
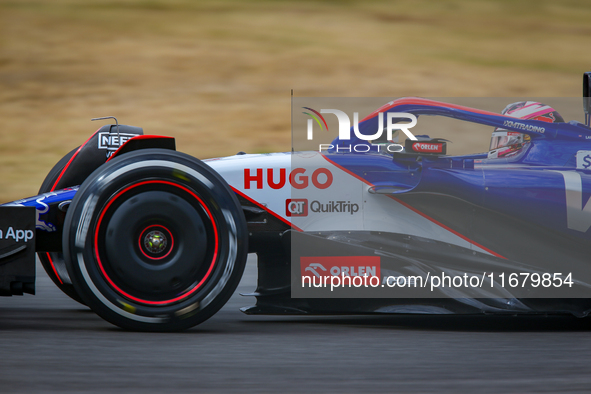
[296, 207]
[300, 207]
[334, 207]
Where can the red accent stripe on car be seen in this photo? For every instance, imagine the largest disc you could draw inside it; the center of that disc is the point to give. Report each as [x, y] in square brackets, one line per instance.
[429, 103]
[70, 162]
[419, 212]
[53, 267]
[138, 137]
[447, 228]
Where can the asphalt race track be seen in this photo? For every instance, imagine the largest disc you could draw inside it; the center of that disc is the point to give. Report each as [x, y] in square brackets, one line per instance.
[51, 344]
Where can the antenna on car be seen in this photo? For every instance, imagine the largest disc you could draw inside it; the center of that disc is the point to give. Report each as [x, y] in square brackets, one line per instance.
[109, 117]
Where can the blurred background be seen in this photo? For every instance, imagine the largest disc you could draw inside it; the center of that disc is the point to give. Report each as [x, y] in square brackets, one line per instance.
[217, 75]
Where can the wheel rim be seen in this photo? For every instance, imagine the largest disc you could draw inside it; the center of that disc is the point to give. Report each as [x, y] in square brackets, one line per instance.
[156, 242]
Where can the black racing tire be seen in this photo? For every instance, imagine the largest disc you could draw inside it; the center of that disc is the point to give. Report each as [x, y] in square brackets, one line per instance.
[53, 262]
[155, 240]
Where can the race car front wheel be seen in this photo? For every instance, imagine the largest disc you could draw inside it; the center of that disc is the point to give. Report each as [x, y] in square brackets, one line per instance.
[155, 240]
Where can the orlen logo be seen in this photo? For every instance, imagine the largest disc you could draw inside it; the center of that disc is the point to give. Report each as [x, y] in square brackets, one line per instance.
[321, 178]
[321, 266]
[296, 207]
[427, 147]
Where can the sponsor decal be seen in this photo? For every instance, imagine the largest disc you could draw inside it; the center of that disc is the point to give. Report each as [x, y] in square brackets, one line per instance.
[43, 208]
[112, 141]
[276, 178]
[578, 212]
[300, 207]
[17, 235]
[296, 207]
[334, 207]
[584, 159]
[347, 266]
[523, 126]
[428, 147]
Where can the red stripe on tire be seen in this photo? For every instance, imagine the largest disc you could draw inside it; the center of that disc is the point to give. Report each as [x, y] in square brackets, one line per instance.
[139, 300]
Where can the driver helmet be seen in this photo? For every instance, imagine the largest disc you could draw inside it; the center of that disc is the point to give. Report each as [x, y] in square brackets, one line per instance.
[505, 143]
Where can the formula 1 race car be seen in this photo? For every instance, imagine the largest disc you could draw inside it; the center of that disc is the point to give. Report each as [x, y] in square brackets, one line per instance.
[153, 239]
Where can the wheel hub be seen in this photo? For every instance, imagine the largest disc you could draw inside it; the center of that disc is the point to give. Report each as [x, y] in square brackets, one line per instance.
[155, 242]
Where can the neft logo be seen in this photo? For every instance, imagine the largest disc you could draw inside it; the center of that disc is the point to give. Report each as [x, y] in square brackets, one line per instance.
[321, 266]
[427, 147]
[321, 178]
[113, 141]
[296, 207]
